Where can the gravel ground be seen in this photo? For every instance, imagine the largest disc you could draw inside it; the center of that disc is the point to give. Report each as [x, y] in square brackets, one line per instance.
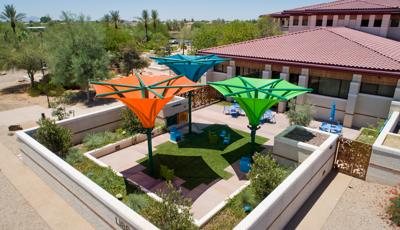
[362, 206]
[15, 212]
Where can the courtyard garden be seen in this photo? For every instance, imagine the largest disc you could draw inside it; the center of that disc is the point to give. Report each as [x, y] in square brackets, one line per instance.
[197, 160]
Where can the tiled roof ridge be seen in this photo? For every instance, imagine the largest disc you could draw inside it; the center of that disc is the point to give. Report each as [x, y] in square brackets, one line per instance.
[360, 44]
[263, 38]
[378, 4]
[335, 3]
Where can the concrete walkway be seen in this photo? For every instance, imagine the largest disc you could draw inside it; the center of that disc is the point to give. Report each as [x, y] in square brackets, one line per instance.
[27, 202]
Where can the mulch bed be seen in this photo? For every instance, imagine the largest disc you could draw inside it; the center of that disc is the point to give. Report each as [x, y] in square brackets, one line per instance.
[309, 137]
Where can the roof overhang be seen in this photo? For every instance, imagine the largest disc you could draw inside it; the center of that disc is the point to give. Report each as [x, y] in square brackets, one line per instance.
[393, 73]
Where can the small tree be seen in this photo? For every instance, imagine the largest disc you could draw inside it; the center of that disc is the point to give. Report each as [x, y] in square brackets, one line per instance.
[76, 53]
[265, 175]
[56, 138]
[45, 19]
[27, 55]
[173, 213]
[131, 123]
[131, 59]
[300, 114]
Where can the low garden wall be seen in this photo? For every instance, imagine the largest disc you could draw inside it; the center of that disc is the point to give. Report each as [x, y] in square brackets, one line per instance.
[384, 166]
[275, 211]
[95, 204]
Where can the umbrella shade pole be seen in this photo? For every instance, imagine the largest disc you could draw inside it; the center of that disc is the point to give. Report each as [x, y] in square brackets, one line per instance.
[190, 112]
[253, 129]
[150, 149]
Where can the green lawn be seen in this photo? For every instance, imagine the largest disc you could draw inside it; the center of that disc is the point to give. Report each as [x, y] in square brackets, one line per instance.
[196, 161]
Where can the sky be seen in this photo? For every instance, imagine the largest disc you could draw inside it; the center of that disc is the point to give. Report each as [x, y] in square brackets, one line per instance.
[167, 9]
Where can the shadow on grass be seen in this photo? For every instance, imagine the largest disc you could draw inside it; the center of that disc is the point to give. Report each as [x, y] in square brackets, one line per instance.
[201, 141]
[193, 169]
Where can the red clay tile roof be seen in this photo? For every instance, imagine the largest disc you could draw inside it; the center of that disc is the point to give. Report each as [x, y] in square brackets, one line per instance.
[335, 47]
[356, 6]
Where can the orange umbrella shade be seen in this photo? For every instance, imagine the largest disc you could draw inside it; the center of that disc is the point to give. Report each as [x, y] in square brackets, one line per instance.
[144, 95]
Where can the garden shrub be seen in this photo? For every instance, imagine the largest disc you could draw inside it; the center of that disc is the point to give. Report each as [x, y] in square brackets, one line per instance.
[131, 123]
[265, 175]
[370, 134]
[56, 138]
[137, 201]
[173, 213]
[96, 140]
[299, 114]
[394, 207]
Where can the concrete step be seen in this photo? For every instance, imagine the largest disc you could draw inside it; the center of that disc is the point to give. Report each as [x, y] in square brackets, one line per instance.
[144, 180]
[196, 192]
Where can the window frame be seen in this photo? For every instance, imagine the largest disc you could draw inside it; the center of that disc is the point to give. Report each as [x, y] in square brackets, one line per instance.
[364, 23]
[317, 90]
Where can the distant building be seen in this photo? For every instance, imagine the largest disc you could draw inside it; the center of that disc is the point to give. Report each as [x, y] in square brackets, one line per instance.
[357, 70]
[379, 17]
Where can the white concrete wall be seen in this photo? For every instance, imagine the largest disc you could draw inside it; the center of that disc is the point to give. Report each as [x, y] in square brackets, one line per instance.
[275, 211]
[394, 33]
[365, 114]
[95, 204]
[384, 166]
[322, 106]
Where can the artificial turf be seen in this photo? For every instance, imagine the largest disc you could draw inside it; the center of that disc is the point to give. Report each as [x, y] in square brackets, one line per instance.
[196, 161]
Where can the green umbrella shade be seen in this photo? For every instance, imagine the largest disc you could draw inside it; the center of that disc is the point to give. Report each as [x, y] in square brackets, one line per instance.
[255, 96]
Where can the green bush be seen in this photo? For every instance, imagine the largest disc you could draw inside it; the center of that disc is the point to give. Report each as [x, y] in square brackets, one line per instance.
[137, 201]
[265, 175]
[300, 114]
[370, 134]
[172, 213]
[394, 207]
[56, 138]
[131, 123]
[96, 140]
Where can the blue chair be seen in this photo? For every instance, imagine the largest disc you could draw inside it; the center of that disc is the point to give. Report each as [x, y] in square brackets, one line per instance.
[227, 139]
[245, 164]
[175, 135]
[234, 113]
[222, 133]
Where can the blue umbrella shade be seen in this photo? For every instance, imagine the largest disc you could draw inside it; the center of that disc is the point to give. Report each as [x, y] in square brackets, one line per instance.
[192, 67]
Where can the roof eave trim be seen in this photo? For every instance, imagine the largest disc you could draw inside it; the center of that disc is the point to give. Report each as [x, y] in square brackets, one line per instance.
[393, 73]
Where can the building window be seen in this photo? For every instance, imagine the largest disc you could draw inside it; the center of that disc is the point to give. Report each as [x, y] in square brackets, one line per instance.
[394, 22]
[329, 87]
[221, 68]
[353, 17]
[329, 22]
[296, 21]
[305, 21]
[365, 21]
[342, 17]
[319, 22]
[294, 78]
[379, 90]
[378, 23]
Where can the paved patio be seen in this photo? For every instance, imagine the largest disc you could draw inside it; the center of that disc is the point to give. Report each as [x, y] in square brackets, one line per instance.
[205, 197]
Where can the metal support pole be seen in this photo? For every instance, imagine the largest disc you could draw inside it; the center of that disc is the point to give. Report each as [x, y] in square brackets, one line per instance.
[253, 129]
[190, 112]
[150, 148]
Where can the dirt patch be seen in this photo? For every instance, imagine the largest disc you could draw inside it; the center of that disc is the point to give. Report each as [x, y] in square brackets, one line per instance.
[362, 206]
[309, 137]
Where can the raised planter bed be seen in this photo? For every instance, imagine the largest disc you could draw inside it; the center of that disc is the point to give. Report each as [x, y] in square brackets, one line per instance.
[296, 143]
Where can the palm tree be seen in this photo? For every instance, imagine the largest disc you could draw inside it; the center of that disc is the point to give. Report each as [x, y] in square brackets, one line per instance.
[10, 14]
[145, 21]
[154, 19]
[106, 18]
[115, 18]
